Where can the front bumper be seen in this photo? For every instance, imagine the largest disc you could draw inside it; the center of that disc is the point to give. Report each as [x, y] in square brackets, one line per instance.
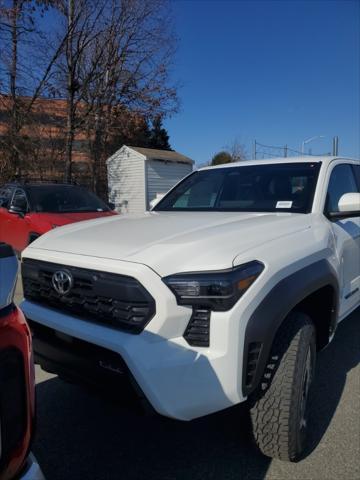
[178, 380]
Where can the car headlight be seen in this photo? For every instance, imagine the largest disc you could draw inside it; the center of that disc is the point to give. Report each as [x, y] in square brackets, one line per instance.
[218, 290]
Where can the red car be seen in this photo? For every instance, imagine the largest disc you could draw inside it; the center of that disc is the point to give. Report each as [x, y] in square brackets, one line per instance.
[17, 383]
[31, 209]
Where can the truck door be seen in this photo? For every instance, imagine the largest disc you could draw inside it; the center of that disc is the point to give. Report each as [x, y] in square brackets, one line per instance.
[347, 236]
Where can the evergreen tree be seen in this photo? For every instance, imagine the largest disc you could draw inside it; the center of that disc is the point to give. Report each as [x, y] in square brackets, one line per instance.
[159, 137]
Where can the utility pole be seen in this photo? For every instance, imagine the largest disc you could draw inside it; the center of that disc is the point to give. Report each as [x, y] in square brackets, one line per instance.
[254, 150]
[335, 149]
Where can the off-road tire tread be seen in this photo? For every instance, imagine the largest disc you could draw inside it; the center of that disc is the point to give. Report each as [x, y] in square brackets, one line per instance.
[274, 406]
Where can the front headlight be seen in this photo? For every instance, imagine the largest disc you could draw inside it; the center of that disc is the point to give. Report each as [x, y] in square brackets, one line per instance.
[218, 290]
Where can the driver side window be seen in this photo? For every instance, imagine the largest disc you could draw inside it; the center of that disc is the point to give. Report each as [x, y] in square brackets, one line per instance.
[342, 180]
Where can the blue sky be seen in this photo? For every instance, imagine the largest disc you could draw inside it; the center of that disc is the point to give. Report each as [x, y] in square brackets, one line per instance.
[276, 71]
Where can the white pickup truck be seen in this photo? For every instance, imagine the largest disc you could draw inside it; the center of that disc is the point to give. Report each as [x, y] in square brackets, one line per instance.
[223, 293]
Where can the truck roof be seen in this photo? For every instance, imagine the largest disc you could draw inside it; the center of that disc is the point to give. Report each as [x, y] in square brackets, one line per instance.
[267, 161]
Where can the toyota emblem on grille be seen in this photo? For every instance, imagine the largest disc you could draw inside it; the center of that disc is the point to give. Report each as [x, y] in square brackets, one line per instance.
[62, 282]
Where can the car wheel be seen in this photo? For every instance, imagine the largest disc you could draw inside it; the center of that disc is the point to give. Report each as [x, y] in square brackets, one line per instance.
[279, 411]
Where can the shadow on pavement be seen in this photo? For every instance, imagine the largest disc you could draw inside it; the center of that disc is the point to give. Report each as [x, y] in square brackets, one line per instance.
[333, 364]
[82, 435]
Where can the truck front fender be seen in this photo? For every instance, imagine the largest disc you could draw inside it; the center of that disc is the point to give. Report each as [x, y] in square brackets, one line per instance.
[273, 310]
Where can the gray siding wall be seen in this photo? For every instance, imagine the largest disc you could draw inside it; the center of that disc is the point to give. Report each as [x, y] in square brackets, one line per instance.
[161, 176]
[126, 179]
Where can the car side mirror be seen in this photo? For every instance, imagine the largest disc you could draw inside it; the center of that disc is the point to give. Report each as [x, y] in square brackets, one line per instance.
[111, 205]
[8, 269]
[350, 202]
[348, 206]
[17, 211]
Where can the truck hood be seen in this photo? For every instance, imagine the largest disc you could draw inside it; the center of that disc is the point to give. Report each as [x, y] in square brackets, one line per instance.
[44, 221]
[170, 242]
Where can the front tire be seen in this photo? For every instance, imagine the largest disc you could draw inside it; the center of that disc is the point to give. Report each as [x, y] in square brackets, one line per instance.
[279, 411]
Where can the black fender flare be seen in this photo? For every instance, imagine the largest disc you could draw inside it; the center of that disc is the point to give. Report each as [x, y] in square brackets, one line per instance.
[275, 307]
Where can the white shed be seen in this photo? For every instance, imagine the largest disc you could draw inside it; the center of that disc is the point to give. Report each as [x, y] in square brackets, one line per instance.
[138, 175]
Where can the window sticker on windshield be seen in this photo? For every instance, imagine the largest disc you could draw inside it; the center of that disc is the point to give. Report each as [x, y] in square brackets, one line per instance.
[284, 204]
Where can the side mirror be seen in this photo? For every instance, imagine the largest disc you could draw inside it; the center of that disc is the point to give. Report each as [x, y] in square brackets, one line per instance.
[8, 274]
[348, 206]
[17, 211]
[350, 202]
[111, 205]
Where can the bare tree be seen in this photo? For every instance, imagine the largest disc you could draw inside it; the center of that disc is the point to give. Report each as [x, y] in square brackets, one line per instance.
[237, 151]
[110, 60]
[23, 75]
[117, 57]
[83, 26]
[15, 22]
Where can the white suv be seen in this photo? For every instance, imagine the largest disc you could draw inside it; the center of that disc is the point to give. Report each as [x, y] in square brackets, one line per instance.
[223, 293]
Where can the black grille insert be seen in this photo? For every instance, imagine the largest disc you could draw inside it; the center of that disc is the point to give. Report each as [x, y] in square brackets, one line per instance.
[117, 301]
[197, 332]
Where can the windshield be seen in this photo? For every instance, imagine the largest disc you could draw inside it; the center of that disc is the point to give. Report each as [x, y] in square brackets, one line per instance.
[283, 187]
[64, 199]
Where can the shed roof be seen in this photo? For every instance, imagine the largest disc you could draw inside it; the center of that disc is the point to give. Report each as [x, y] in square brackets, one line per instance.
[163, 155]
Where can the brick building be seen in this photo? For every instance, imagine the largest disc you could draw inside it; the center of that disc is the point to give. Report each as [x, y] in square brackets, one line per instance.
[40, 146]
[42, 137]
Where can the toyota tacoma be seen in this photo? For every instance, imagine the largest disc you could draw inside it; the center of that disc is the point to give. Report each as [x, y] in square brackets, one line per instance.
[223, 293]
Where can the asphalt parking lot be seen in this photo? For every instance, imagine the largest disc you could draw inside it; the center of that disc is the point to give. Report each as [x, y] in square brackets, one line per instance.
[84, 435]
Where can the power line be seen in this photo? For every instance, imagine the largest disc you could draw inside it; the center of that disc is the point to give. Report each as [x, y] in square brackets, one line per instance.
[261, 150]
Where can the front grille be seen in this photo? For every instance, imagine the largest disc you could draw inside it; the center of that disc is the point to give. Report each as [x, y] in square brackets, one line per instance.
[12, 402]
[117, 301]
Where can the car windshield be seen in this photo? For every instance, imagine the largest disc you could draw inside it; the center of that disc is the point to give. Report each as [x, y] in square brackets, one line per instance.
[282, 187]
[64, 199]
